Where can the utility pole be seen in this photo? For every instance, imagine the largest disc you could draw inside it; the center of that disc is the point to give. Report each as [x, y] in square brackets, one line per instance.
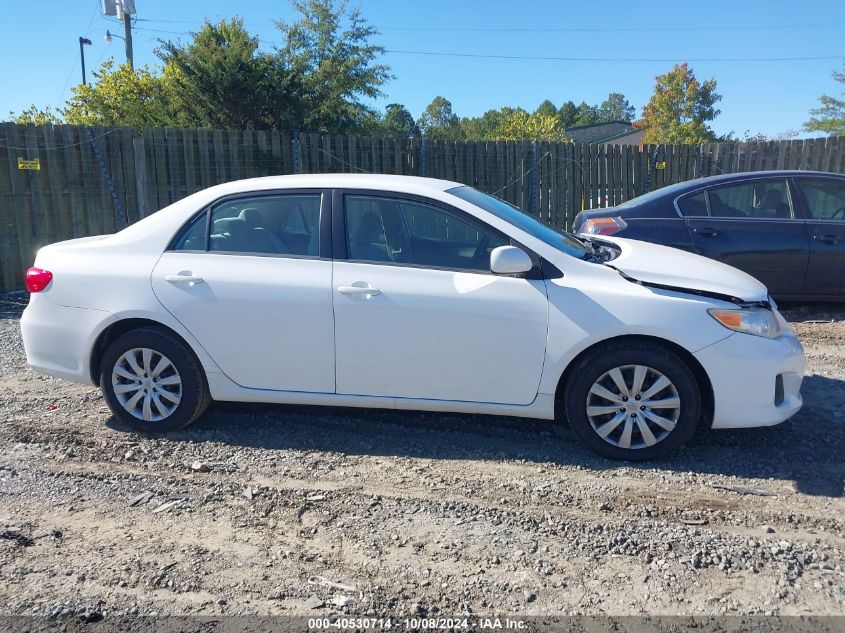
[123, 10]
[127, 29]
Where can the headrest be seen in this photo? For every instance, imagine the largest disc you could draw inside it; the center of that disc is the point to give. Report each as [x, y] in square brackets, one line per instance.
[252, 217]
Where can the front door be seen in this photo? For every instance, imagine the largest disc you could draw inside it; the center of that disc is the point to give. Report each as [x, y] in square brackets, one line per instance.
[418, 313]
[824, 201]
[752, 225]
[254, 291]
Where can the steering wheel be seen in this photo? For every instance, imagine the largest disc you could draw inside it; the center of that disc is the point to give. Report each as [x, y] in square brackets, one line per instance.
[838, 214]
[480, 252]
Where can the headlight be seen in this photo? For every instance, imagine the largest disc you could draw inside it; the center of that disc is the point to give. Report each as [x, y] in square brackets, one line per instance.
[756, 321]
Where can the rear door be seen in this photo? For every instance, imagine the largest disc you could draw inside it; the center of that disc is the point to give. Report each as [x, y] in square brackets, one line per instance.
[824, 210]
[251, 281]
[753, 226]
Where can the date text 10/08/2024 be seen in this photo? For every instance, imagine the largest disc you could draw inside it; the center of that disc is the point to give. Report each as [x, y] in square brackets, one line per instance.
[417, 624]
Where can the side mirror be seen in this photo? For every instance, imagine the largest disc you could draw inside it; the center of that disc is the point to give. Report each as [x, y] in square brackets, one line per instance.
[510, 260]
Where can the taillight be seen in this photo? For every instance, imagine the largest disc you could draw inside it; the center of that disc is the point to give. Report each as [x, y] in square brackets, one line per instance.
[602, 226]
[37, 279]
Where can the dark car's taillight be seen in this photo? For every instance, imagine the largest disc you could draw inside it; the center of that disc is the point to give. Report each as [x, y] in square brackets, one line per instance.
[602, 226]
[37, 279]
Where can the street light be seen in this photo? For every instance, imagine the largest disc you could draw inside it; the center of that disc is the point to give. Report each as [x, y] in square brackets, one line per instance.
[109, 35]
[82, 42]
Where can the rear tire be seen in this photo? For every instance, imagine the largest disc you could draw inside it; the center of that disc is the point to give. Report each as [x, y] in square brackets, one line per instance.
[152, 381]
[633, 400]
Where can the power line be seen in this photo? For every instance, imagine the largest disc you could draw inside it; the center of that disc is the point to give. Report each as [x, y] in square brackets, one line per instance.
[614, 59]
[545, 29]
[55, 147]
[619, 29]
[75, 60]
[567, 58]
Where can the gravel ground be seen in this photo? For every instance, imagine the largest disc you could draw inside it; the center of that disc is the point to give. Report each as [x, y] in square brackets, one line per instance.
[318, 511]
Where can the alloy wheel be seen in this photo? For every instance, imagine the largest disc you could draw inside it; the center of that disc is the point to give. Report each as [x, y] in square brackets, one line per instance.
[633, 406]
[146, 384]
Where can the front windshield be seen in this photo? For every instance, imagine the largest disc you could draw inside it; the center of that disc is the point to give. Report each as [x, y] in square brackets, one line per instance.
[560, 240]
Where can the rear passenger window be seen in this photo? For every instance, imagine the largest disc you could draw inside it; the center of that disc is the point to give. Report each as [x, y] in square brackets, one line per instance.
[768, 199]
[286, 224]
[693, 204]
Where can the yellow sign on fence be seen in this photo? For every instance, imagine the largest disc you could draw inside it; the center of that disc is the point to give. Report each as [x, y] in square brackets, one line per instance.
[34, 163]
[660, 165]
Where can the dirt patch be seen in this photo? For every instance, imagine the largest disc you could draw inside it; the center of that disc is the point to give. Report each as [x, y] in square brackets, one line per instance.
[275, 510]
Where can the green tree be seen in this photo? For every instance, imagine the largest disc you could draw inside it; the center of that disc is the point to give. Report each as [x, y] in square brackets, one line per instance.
[587, 114]
[121, 97]
[829, 117]
[616, 108]
[519, 125]
[546, 108]
[485, 127]
[221, 80]
[398, 121]
[680, 108]
[328, 50]
[567, 114]
[32, 115]
[438, 121]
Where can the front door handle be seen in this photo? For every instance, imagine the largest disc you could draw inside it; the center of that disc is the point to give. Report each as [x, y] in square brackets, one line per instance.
[183, 279]
[358, 290]
[827, 239]
[707, 231]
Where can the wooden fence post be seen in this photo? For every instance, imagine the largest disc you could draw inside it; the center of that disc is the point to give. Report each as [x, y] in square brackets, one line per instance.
[423, 157]
[535, 179]
[296, 151]
[139, 155]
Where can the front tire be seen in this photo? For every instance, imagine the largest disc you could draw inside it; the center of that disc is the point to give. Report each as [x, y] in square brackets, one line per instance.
[633, 400]
[152, 381]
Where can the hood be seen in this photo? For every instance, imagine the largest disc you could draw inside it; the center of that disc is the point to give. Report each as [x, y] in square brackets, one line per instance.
[673, 268]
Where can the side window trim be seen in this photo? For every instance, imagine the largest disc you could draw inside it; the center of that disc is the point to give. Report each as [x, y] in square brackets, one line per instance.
[339, 241]
[324, 223]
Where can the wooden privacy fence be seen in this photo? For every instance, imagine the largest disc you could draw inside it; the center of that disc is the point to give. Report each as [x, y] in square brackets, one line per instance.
[61, 182]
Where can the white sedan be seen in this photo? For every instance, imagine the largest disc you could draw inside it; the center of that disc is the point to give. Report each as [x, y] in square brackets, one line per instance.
[408, 293]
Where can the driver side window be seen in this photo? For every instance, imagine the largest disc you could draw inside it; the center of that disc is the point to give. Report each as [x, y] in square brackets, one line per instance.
[405, 231]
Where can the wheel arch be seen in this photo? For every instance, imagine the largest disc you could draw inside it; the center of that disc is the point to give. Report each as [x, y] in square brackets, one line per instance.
[121, 327]
[701, 377]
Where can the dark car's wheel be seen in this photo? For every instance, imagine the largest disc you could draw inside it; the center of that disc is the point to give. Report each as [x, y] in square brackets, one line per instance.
[152, 381]
[633, 400]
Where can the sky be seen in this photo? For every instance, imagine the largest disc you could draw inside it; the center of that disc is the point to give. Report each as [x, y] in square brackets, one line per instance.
[606, 46]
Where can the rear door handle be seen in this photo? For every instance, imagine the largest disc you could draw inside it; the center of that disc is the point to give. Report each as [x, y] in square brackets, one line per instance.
[183, 279]
[827, 239]
[708, 231]
[358, 290]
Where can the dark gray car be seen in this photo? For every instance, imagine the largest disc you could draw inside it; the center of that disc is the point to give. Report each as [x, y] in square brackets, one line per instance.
[787, 228]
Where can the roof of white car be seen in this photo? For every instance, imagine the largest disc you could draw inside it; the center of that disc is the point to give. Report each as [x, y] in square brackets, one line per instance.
[408, 184]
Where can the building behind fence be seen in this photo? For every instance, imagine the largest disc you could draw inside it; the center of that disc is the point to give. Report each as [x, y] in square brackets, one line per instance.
[63, 181]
